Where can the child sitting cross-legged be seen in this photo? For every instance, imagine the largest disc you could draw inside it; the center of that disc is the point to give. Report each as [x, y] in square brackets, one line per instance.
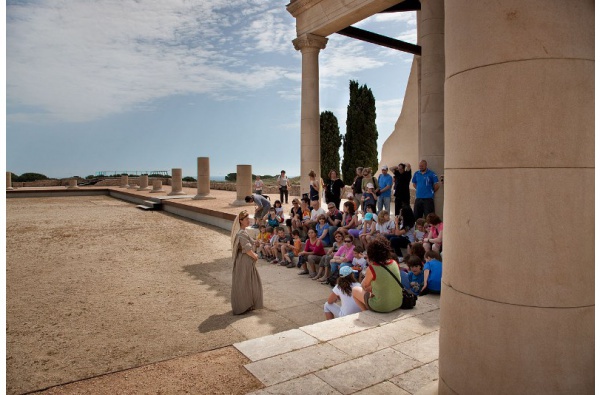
[342, 292]
[415, 275]
[432, 281]
[323, 272]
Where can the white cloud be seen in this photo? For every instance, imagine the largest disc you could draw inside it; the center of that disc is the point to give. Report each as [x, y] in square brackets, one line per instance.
[345, 58]
[81, 60]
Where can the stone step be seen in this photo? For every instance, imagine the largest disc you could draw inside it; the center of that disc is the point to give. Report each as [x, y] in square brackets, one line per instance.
[150, 205]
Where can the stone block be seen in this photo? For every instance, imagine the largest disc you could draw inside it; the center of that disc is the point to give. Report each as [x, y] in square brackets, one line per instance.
[279, 343]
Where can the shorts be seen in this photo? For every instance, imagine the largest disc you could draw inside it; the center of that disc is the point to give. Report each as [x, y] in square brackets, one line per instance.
[367, 296]
[290, 255]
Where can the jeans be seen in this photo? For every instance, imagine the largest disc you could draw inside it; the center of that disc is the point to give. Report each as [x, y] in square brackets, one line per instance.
[384, 202]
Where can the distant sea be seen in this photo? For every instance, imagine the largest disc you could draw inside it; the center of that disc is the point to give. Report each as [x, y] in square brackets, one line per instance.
[217, 178]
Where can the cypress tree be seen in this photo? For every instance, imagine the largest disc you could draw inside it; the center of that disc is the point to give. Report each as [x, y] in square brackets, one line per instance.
[360, 141]
[331, 141]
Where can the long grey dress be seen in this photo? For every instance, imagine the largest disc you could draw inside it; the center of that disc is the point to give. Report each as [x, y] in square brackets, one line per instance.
[246, 287]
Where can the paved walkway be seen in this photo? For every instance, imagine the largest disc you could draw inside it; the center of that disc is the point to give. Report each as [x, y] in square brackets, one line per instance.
[365, 353]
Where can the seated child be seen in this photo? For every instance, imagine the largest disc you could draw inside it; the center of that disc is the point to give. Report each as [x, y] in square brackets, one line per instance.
[263, 238]
[273, 220]
[420, 230]
[281, 240]
[360, 261]
[290, 250]
[342, 292]
[269, 248]
[432, 281]
[415, 276]
[278, 209]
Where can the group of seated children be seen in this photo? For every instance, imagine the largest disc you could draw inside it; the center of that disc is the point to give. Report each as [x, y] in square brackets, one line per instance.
[378, 290]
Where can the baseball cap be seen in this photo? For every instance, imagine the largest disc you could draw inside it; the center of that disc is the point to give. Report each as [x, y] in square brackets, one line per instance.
[370, 185]
[368, 216]
[345, 270]
[384, 167]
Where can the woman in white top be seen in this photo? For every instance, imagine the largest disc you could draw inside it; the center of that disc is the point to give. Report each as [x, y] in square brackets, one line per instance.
[342, 292]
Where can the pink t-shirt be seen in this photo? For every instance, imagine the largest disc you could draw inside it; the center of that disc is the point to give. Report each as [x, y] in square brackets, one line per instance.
[347, 252]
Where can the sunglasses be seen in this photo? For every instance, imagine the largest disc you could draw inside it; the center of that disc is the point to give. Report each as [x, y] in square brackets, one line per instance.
[347, 241]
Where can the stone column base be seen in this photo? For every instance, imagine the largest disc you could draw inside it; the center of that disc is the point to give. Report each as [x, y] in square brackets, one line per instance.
[143, 189]
[157, 190]
[125, 186]
[203, 197]
[176, 193]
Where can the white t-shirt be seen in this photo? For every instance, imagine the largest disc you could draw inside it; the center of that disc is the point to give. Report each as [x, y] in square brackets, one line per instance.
[349, 306]
[315, 213]
[386, 228]
[283, 181]
[258, 184]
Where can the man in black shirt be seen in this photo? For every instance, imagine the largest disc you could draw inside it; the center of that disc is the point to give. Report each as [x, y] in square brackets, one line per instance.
[402, 176]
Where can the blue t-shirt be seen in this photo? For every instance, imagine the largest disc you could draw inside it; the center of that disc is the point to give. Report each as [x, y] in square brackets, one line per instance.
[434, 281]
[425, 183]
[384, 180]
[320, 230]
[416, 282]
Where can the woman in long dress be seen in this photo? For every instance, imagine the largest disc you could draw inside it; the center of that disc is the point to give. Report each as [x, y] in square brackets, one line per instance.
[246, 287]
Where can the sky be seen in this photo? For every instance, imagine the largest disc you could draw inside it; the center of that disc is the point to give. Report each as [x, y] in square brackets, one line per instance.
[143, 85]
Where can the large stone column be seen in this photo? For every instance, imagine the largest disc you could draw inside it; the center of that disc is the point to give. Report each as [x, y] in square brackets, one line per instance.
[243, 184]
[72, 184]
[9, 180]
[203, 178]
[431, 92]
[176, 182]
[517, 306]
[310, 142]
[157, 186]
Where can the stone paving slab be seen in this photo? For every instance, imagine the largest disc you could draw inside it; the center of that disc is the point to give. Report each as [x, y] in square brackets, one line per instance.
[279, 343]
[305, 314]
[423, 323]
[342, 326]
[366, 371]
[309, 384]
[418, 378]
[297, 363]
[252, 325]
[424, 348]
[385, 388]
[375, 339]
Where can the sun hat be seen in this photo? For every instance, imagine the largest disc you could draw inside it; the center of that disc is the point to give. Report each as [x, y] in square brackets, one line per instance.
[368, 216]
[370, 185]
[345, 270]
[384, 167]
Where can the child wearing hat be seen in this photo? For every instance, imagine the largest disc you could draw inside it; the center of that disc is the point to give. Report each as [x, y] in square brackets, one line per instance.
[369, 196]
[342, 292]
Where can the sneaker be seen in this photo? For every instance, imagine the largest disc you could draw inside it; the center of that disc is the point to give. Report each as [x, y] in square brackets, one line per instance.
[303, 272]
[290, 265]
[283, 263]
[274, 261]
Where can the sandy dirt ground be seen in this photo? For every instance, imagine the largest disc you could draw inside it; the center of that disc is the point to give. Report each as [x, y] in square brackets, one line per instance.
[94, 286]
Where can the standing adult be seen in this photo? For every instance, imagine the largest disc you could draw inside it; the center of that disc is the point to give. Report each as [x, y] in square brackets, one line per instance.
[333, 189]
[403, 175]
[258, 185]
[313, 185]
[246, 287]
[284, 185]
[386, 182]
[262, 207]
[368, 178]
[357, 186]
[426, 184]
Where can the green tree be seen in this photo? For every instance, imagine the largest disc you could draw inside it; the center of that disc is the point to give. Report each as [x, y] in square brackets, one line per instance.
[360, 141]
[331, 141]
[188, 179]
[27, 177]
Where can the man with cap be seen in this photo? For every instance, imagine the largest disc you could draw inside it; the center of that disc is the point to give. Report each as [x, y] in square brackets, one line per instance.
[426, 184]
[384, 192]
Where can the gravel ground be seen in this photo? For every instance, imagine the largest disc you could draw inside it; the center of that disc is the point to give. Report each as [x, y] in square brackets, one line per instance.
[94, 286]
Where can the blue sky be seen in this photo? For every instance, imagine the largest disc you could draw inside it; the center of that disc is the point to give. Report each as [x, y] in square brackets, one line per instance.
[152, 85]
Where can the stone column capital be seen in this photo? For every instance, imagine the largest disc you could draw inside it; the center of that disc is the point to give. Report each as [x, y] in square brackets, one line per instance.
[311, 41]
